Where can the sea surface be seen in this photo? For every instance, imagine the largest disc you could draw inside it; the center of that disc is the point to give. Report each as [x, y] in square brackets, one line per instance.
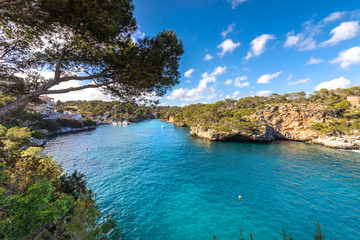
[165, 184]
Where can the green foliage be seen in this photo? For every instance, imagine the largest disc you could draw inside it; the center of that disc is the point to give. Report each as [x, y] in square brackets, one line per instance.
[38, 135]
[100, 42]
[73, 185]
[50, 124]
[69, 123]
[39, 201]
[24, 214]
[89, 122]
[343, 105]
[87, 222]
[17, 137]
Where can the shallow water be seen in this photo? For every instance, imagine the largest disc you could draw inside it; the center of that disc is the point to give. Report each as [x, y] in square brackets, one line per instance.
[165, 184]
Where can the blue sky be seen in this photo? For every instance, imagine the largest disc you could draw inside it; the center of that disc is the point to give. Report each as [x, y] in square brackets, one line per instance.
[257, 47]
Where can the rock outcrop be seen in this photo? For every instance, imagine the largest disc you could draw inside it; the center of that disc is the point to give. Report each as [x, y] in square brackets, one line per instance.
[287, 122]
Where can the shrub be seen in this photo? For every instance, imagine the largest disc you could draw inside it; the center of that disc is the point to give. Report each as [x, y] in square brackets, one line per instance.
[70, 123]
[49, 124]
[38, 135]
[89, 122]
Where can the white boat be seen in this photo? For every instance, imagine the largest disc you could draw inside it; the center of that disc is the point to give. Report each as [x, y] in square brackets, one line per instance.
[126, 122]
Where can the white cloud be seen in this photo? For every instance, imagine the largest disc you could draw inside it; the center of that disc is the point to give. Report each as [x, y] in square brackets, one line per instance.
[227, 46]
[239, 82]
[177, 93]
[263, 93]
[229, 29]
[212, 94]
[299, 81]
[313, 60]
[228, 97]
[306, 39]
[189, 72]
[292, 39]
[307, 44]
[290, 77]
[236, 94]
[333, 84]
[197, 93]
[348, 57]
[235, 3]
[137, 35]
[258, 45]
[208, 57]
[229, 82]
[188, 81]
[333, 17]
[85, 94]
[267, 77]
[346, 30]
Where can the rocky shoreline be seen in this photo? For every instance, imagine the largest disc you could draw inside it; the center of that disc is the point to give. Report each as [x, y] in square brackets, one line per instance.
[279, 123]
[41, 142]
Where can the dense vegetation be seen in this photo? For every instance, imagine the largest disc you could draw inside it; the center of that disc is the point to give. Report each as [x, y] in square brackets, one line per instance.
[229, 115]
[99, 108]
[38, 200]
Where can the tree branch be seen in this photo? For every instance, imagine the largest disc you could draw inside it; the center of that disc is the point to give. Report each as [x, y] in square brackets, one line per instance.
[71, 89]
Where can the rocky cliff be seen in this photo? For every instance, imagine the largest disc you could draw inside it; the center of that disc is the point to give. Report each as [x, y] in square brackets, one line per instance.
[287, 122]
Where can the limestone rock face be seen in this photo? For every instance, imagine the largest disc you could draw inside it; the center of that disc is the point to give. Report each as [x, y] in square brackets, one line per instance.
[291, 122]
[241, 136]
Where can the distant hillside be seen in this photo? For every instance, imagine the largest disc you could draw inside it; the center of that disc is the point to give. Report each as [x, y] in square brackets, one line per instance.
[100, 108]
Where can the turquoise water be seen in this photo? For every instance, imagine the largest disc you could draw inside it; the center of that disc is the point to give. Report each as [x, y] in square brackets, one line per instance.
[196, 195]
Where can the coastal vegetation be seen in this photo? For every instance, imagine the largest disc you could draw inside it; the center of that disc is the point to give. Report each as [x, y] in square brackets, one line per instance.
[39, 200]
[324, 113]
[128, 110]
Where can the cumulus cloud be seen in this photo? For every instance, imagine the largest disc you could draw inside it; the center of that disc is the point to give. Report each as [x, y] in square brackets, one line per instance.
[267, 77]
[348, 57]
[227, 46]
[334, 84]
[85, 94]
[292, 39]
[299, 81]
[235, 3]
[240, 82]
[258, 45]
[346, 30]
[313, 60]
[229, 29]
[208, 57]
[263, 93]
[177, 93]
[189, 72]
[228, 82]
[197, 93]
[306, 39]
[235, 95]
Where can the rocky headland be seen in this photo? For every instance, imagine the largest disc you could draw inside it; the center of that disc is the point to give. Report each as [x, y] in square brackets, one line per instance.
[286, 122]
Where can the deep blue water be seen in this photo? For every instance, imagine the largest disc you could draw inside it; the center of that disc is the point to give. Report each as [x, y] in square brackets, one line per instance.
[196, 195]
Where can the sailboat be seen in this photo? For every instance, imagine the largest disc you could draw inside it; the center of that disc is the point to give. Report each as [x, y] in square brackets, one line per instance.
[114, 122]
[126, 121]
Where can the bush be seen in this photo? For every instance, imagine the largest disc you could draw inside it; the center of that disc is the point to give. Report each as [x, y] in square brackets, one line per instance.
[89, 122]
[70, 123]
[38, 135]
[49, 124]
